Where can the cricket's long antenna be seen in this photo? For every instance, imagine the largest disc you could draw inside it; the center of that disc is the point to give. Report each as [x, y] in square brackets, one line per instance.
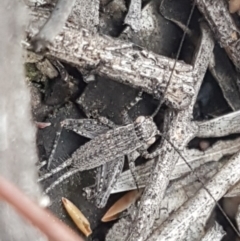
[179, 153]
[203, 185]
[176, 59]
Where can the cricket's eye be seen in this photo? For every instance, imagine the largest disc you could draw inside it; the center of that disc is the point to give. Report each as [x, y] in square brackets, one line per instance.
[140, 119]
[151, 141]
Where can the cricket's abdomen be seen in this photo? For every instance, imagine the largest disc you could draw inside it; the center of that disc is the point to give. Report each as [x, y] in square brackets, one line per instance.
[106, 147]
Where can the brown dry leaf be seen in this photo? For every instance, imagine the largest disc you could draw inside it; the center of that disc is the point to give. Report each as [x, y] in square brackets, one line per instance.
[122, 204]
[78, 218]
[234, 6]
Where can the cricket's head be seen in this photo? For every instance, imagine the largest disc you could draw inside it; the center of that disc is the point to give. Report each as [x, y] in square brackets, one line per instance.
[146, 129]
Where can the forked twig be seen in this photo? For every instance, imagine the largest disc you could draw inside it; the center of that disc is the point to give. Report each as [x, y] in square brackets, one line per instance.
[51, 226]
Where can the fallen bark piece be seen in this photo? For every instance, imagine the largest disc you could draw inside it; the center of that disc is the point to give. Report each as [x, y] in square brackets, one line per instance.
[47, 69]
[122, 204]
[123, 62]
[221, 126]
[78, 218]
[234, 6]
[223, 26]
[215, 233]
[134, 14]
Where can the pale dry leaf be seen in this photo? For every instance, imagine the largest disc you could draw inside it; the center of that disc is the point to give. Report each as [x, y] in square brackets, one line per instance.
[78, 218]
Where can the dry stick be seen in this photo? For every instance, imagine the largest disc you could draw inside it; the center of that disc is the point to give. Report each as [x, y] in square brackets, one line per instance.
[223, 26]
[123, 62]
[52, 227]
[180, 133]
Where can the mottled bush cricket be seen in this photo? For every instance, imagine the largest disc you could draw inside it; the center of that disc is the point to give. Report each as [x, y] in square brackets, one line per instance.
[107, 173]
[70, 161]
[109, 145]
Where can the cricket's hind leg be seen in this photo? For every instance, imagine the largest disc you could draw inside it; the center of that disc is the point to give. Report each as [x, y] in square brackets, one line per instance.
[61, 179]
[107, 176]
[62, 166]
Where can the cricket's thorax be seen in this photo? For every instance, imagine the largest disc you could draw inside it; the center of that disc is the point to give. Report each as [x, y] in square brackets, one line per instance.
[146, 129]
[107, 147]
